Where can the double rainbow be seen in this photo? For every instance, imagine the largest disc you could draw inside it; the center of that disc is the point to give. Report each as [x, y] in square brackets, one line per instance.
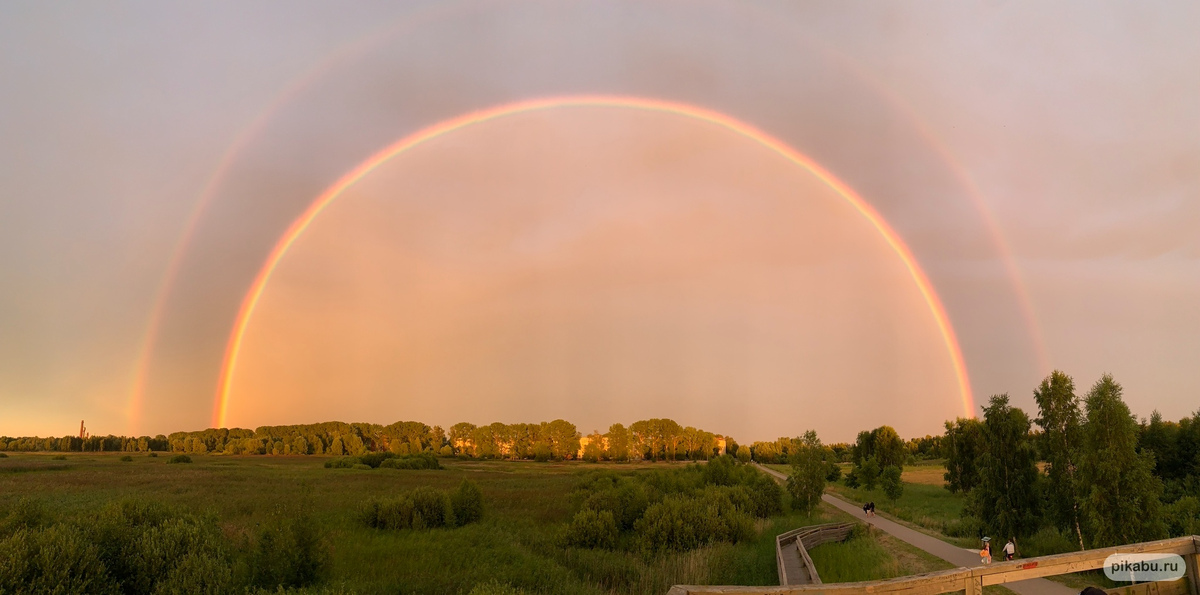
[298, 227]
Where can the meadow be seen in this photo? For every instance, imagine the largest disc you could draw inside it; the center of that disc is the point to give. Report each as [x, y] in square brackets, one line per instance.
[517, 543]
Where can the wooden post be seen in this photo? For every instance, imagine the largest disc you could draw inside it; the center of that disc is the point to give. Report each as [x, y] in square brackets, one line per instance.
[1193, 572]
[974, 585]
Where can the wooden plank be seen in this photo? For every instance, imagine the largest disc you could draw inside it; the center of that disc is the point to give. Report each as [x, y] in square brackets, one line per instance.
[1019, 570]
[1179, 587]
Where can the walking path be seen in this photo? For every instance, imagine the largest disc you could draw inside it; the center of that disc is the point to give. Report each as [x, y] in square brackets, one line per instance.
[954, 555]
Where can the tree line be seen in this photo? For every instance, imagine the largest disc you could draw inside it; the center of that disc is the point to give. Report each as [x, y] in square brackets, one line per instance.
[1105, 479]
[650, 439]
[1084, 473]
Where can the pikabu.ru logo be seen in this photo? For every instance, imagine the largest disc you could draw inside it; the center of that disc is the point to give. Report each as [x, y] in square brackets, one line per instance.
[1143, 568]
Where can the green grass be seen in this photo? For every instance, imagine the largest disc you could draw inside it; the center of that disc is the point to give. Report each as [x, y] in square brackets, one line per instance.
[526, 505]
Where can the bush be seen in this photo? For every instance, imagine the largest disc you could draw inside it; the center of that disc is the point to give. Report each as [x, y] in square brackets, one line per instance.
[179, 459]
[3, 456]
[289, 552]
[1183, 516]
[431, 508]
[422, 508]
[834, 474]
[152, 455]
[360, 466]
[58, 559]
[627, 502]
[375, 459]
[394, 514]
[58, 458]
[424, 460]
[592, 529]
[467, 503]
[127, 459]
[342, 463]
[25, 514]
[683, 523]
[852, 478]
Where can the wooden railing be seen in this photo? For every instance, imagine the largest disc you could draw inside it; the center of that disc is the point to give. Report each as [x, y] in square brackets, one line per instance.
[804, 539]
[972, 580]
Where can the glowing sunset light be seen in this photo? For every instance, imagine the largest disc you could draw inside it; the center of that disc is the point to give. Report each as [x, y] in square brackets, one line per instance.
[302, 223]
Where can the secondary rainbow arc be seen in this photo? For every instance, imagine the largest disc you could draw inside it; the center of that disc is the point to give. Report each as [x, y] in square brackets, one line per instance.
[301, 223]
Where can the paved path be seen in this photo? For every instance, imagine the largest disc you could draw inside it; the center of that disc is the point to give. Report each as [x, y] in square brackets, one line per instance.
[954, 555]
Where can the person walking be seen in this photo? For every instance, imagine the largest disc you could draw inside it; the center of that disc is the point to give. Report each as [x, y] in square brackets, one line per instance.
[985, 554]
[1010, 549]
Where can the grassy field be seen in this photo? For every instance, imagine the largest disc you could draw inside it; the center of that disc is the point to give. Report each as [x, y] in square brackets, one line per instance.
[527, 504]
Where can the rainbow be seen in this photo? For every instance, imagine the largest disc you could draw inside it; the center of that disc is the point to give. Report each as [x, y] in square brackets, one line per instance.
[301, 223]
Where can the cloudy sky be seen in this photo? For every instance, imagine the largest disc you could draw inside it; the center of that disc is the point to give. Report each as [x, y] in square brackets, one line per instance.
[596, 263]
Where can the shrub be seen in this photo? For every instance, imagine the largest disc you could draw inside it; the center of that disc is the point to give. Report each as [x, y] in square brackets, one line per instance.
[1183, 516]
[289, 552]
[767, 496]
[360, 466]
[391, 514]
[57, 559]
[467, 503]
[196, 573]
[340, 463]
[852, 478]
[375, 459]
[627, 502]
[153, 454]
[180, 459]
[834, 474]
[422, 508]
[682, 523]
[424, 460]
[592, 529]
[3, 456]
[25, 514]
[431, 508]
[127, 459]
[58, 458]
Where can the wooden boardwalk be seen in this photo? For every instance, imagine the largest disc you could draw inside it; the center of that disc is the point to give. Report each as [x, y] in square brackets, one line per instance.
[794, 564]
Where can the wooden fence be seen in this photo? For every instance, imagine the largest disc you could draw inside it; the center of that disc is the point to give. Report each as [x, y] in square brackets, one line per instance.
[971, 581]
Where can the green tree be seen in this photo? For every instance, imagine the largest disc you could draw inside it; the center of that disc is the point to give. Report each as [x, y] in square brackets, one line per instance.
[594, 449]
[1120, 492]
[963, 445]
[1006, 500]
[806, 483]
[868, 473]
[617, 439]
[1061, 423]
[889, 448]
[889, 479]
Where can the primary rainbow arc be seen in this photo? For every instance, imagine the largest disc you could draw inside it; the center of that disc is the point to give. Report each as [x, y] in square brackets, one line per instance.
[301, 223]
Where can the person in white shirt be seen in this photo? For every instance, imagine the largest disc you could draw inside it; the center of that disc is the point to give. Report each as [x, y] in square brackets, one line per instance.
[1009, 550]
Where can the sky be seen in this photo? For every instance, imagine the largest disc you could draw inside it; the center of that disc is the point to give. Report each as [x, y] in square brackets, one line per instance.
[1038, 165]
